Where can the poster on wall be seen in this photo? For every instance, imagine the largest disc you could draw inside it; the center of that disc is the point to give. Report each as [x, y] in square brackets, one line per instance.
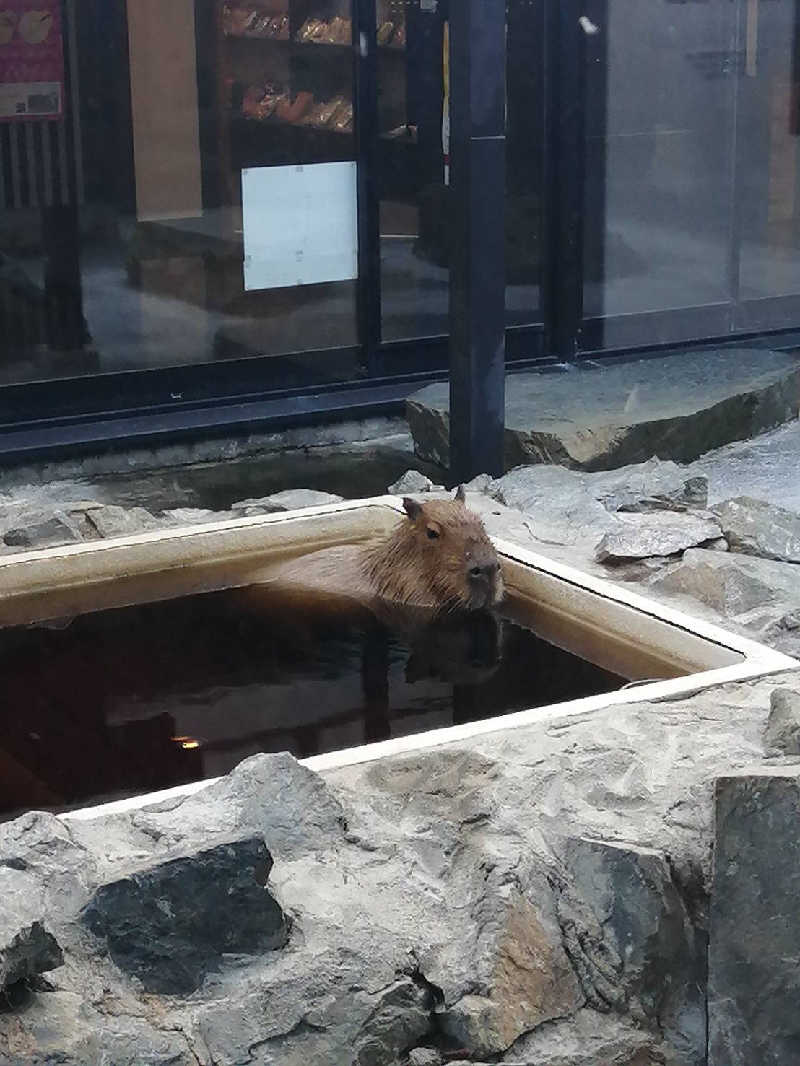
[299, 225]
[31, 60]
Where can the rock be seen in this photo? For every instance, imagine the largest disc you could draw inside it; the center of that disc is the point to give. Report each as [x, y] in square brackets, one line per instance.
[289, 500]
[424, 1056]
[658, 534]
[287, 805]
[588, 1038]
[753, 527]
[572, 507]
[43, 532]
[602, 418]
[480, 483]
[295, 499]
[411, 482]
[522, 976]
[732, 584]
[171, 922]
[782, 731]
[25, 950]
[400, 1016]
[718, 545]
[57, 1027]
[113, 521]
[632, 941]
[251, 507]
[753, 978]
[185, 516]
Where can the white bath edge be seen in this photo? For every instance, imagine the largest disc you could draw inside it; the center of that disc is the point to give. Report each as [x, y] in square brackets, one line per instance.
[758, 660]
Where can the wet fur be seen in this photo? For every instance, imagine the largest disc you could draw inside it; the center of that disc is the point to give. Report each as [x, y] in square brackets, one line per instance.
[407, 569]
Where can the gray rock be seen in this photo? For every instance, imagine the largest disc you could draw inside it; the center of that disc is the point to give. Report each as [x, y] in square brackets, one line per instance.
[732, 584]
[43, 532]
[601, 418]
[295, 499]
[58, 1027]
[256, 506]
[113, 521]
[424, 1056]
[401, 1015]
[480, 483]
[657, 534]
[288, 806]
[26, 949]
[572, 507]
[412, 481]
[521, 975]
[184, 516]
[170, 923]
[632, 941]
[782, 731]
[718, 545]
[289, 500]
[754, 979]
[588, 1038]
[753, 527]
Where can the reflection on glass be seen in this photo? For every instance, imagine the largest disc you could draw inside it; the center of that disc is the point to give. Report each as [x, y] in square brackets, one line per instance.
[661, 81]
[769, 161]
[525, 140]
[121, 243]
[412, 56]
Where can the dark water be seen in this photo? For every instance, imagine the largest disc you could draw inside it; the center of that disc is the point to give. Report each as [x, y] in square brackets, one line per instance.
[141, 698]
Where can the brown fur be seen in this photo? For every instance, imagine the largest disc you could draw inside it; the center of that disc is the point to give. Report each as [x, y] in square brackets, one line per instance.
[438, 558]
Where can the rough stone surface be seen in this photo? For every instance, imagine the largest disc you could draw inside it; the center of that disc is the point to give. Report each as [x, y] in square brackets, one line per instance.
[632, 942]
[289, 500]
[411, 482]
[754, 979]
[570, 507]
[782, 731]
[737, 588]
[248, 508]
[435, 905]
[113, 521]
[169, 923]
[601, 418]
[25, 949]
[660, 534]
[522, 974]
[754, 527]
[423, 1056]
[588, 1038]
[45, 531]
[430, 896]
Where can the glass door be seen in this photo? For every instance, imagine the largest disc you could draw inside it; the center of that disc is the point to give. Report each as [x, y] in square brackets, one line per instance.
[768, 166]
[413, 71]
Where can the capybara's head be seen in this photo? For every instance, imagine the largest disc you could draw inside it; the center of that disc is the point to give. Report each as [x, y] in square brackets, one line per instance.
[441, 556]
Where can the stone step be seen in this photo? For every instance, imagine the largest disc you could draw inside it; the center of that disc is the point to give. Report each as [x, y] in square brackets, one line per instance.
[599, 418]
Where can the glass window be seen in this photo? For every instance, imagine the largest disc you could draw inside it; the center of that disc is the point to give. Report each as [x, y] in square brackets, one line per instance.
[661, 80]
[122, 236]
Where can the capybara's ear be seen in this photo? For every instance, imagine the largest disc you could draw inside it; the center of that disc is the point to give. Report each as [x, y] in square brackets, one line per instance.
[461, 496]
[412, 508]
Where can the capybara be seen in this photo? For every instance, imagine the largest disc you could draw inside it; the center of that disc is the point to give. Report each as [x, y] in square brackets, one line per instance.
[437, 559]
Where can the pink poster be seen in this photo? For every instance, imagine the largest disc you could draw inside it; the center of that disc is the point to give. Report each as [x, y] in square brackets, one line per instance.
[31, 60]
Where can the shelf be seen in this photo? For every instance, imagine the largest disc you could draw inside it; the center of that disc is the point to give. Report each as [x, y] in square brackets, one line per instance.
[275, 125]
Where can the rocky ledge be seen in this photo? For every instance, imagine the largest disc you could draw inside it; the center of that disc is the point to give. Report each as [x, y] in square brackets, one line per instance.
[542, 897]
[613, 889]
[599, 418]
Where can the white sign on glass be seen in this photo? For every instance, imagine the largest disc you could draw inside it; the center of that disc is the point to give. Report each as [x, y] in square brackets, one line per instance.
[299, 225]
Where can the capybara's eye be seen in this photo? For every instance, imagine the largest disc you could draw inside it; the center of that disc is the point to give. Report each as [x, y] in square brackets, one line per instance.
[433, 534]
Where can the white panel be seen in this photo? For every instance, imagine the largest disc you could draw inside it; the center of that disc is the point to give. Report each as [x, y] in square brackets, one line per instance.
[299, 225]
